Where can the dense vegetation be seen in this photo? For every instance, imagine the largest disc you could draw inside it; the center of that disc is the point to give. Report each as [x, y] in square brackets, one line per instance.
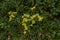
[11, 18]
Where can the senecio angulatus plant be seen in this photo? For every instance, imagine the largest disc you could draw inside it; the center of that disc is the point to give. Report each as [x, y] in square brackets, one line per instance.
[29, 19]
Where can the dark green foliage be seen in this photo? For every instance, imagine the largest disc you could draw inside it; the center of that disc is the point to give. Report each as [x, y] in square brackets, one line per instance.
[48, 29]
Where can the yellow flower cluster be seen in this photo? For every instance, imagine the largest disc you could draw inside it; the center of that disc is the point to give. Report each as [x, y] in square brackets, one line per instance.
[11, 15]
[34, 16]
[24, 21]
[27, 17]
[38, 16]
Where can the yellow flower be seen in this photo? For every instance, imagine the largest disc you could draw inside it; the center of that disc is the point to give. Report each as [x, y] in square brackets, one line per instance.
[22, 16]
[24, 24]
[24, 32]
[40, 18]
[33, 16]
[11, 17]
[33, 8]
[33, 22]
[25, 27]
[25, 20]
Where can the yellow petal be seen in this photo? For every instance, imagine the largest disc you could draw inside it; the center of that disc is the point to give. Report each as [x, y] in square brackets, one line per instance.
[26, 27]
[33, 16]
[33, 22]
[24, 32]
[12, 15]
[33, 8]
[22, 16]
[40, 18]
[10, 19]
[24, 24]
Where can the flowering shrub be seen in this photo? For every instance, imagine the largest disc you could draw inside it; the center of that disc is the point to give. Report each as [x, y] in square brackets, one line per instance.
[29, 19]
